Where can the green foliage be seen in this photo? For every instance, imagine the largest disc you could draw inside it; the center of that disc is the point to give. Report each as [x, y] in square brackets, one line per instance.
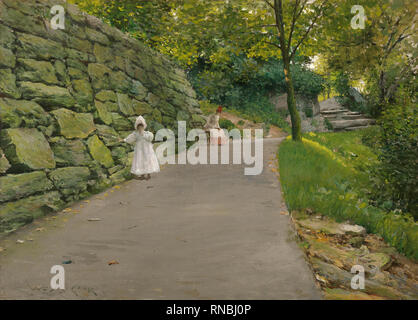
[312, 176]
[328, 124]
[226, 124]
[245, 85]
[396, 175]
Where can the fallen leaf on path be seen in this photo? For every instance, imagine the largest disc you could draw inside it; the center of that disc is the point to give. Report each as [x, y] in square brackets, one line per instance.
[116, 187]
[94, 219]
[2, 249]
[67, 210]
[20, 241]
[284, 213]
[86, 201]
[40, 229]
[67, 262]
[112, 262]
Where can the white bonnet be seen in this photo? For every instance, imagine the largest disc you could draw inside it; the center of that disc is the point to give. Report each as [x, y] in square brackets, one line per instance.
[140, 120]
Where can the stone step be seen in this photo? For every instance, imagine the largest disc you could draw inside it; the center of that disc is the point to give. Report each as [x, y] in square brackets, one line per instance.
[336, 111]
[343, 124]
[356, 128]
[348, 116]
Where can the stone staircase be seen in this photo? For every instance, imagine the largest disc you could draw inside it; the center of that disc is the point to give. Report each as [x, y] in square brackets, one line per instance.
[342, 118]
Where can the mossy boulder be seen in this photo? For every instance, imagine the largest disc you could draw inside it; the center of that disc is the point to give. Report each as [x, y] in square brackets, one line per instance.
[15, 112]
[103, 114]
[48, 96]
[106, 95]
[70, 153]
[99, 75]
[7, 58]
[125, 104]
[100, 152]
[120, 123]
[74, 125]
[21, 212]
[83, 92]
[34, 47]
[16, 186]
[36, 71]
[26, 149]
[141, 108]
[167, 109]
[8, 84]
[4, 163]
[108, 135]
[120, 176]
[70, 180]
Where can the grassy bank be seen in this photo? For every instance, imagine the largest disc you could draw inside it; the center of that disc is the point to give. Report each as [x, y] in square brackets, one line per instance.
[324, 173]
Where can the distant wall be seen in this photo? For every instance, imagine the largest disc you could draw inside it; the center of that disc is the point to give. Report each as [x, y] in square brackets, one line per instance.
[66, 96]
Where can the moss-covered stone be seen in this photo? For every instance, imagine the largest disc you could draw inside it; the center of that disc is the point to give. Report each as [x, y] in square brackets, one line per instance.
[106, 95]
[99, 75]
[83, 92]
[138, 90]
[7, 58]
[15, 112]
[96, 36]
[76, 73]
[48, 96]
[7, 37]
[70, 178]
[103, 113]
[34, 47]
[74, 125]
[26, 149]
[156, 115]
[16, 186]
[18, 213]
[4, 163]
[120, 176]
[125, 104]
[120, 123]
[100, 152]
[103, 54]
[36, 71]
[108, 135]
[70, 153]
[120, 82]
[141, 108]
[167, 109]
[182, 115]
[8, 84]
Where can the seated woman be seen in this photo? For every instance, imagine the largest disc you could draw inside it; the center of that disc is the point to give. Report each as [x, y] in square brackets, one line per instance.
[217, 134]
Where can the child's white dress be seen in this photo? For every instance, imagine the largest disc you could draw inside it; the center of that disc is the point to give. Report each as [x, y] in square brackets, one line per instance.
[145, 160]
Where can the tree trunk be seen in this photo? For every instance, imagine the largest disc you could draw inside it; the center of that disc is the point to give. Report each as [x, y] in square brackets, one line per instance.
[291, 101]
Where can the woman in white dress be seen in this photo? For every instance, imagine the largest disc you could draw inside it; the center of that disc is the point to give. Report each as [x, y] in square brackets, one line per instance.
[145, 160]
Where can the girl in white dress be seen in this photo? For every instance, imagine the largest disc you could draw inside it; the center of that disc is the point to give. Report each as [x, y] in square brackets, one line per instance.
[145, 160]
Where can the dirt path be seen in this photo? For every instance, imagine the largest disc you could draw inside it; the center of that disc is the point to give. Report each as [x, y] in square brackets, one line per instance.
[191, 232]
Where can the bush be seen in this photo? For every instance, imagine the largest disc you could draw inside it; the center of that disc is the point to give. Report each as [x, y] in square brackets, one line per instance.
[397, 174]
[226, 124]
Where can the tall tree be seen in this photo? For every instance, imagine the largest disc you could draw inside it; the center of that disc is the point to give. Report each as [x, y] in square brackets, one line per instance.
[294, 21]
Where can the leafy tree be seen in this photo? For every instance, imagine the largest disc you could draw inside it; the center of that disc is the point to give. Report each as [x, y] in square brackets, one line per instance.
[382, 54]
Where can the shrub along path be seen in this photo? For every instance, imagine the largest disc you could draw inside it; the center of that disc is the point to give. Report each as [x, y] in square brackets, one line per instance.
[191, 232]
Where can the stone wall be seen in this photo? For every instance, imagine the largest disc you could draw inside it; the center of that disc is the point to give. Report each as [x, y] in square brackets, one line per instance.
[66, 96]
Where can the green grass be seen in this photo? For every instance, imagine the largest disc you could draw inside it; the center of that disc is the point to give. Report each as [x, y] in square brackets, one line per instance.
[324, 173]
